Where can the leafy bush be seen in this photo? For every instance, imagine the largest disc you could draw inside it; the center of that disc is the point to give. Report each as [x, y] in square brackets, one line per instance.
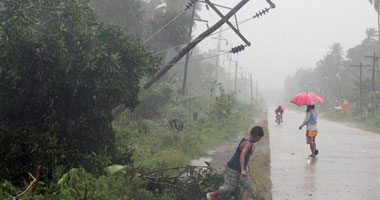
[61, 75]
[154, 99]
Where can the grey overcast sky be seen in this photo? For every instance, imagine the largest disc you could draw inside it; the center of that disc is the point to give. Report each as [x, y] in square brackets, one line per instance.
[296, 34]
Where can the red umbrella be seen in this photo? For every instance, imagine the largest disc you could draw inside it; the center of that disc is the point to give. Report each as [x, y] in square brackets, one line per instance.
[307, 98]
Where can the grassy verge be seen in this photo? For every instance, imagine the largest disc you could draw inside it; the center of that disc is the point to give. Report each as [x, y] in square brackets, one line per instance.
[260, 166]
[368, 123]
[159, 144]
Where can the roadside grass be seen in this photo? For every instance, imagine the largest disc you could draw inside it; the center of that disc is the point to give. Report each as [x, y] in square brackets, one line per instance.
[158, 144]
[365, 122]
[260, 166]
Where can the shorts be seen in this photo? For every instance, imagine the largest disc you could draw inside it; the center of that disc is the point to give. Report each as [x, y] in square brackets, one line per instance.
[310, 136]
[232, 178]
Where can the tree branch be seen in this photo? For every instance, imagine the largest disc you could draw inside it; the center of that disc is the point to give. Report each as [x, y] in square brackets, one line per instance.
[32, 184]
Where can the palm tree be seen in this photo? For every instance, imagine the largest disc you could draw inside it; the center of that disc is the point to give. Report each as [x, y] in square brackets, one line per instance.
[376, 5]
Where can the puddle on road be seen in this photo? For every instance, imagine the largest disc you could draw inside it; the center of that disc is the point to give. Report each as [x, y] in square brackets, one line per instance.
[201, 161]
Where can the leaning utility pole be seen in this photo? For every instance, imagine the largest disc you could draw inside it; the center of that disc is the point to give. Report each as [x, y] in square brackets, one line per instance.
[375, 58]
[360, 85]
[228, 22]
[188, 53]
[193, 43]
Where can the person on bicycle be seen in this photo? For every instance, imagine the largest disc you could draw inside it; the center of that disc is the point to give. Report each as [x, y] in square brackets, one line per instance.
[279, 111]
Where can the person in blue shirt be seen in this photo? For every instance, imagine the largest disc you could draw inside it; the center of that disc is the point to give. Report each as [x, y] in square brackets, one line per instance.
[235, 171]
[310, 122]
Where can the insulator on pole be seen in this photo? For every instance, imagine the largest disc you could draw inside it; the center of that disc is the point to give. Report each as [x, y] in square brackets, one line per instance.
[237, 49]
[190, 4]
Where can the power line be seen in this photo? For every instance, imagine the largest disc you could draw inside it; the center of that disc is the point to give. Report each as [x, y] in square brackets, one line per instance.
[188, 6]
[215, 33]
[200, 59]
[163, 27]
[193, 43]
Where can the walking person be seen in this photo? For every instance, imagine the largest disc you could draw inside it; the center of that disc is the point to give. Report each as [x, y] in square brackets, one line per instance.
[311, 128]
[235, 171]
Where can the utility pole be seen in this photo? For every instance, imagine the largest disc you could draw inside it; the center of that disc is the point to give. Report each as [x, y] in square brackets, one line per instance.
[325, 86]
[339, 82]
[228, 22]
[250, 78]
[360, 85]
[229, 79]
[193, 43]
[375, 58]
[188, 53]
[218, 50]
[236, 68]
[257, 86]
[246, 88]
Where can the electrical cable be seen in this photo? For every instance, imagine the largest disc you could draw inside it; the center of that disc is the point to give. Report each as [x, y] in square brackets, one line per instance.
[220, 31]
[199, 59]
[163, 27]
[188, 6]
[257, 15]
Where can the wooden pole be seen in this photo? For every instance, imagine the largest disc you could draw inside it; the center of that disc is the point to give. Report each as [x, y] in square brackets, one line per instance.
[193, 43]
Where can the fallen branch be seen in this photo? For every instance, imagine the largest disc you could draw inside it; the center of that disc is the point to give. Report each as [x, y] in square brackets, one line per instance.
[32, 184]
[187, 182]
[36, 183]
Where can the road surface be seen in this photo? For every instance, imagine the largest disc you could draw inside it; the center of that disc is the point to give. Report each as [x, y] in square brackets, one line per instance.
[347, 167]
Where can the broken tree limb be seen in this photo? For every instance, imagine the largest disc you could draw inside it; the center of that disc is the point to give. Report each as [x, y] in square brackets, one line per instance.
[32, 184]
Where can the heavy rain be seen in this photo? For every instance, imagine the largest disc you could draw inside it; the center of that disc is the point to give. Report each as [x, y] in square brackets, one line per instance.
[190, 99]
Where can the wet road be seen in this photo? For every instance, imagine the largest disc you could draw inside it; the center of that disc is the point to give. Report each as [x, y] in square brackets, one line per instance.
[347, 167]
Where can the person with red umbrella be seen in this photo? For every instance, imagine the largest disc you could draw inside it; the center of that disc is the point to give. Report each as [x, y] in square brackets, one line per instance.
[311, 128]
[309, 100]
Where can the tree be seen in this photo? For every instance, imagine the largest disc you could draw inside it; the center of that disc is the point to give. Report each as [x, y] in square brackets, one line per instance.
[128, 13]
[376, 5]
[61, 75]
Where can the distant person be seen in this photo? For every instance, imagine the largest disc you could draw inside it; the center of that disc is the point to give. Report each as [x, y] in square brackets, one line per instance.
[311, 129]
[280, 111]
[235, 171]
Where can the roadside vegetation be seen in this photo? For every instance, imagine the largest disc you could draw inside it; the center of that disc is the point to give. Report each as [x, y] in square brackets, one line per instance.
[367, 122]
[336, 77]
[260, 161]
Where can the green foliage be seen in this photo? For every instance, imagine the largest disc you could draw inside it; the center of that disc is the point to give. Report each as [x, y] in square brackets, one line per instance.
[122, 183]
[61, 75]
[154, 99]
[174, 34]
[158, 143]
[127, 13]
